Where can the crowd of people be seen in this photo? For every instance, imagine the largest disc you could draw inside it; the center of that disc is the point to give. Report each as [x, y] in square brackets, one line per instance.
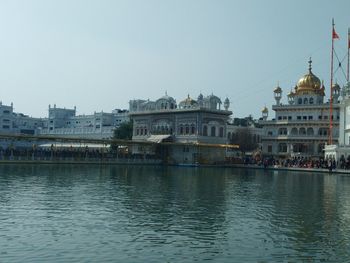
[301, 162]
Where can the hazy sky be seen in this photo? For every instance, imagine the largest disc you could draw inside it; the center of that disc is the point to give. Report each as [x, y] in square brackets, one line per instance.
[99, 54]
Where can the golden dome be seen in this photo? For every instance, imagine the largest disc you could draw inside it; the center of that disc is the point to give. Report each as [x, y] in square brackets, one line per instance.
[309, 82]
[189, 100]
[265, 110]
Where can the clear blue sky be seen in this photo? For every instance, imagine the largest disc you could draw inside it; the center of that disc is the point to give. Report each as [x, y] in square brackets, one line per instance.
[99, 54]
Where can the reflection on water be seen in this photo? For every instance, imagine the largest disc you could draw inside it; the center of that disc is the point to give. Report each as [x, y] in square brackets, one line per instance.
[85, 213]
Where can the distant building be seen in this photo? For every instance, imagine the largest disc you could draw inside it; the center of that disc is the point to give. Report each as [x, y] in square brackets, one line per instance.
[301, 127]
[18, 123]
[200, 121]
[99, 125]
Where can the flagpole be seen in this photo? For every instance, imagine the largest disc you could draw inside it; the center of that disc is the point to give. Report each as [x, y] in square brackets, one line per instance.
[330, 139]
[347, 77]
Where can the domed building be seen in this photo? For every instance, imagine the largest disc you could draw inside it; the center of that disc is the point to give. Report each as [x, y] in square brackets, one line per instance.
[300, 127]
[192, 122]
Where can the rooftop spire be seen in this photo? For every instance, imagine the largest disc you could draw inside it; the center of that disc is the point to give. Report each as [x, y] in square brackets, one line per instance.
[310, 64]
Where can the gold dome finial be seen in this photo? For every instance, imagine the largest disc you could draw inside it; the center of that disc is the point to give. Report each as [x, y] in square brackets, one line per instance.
[310, 64]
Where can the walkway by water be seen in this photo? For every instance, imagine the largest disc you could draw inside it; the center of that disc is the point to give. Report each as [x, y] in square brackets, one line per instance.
[80, 213]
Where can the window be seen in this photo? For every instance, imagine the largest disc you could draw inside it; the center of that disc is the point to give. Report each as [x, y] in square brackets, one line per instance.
[311, 100]
[302, 131]
[306, 101]
[320, 117]
[300, 101]
[284, 117]
[282, 147]
[294, 131]
[192, 130]
[181, 130]
[325, 117]
[279, 117]
[269, 148]
[221, 132]
[282, 131]
[289, 117]
[212, 131]
[6, 111]
[298, 117]
[205, 130]
[187, 129]
[304, 117]
[310, 117]
[137, 131]
[310, 131]
[269, 133]
[5, 126]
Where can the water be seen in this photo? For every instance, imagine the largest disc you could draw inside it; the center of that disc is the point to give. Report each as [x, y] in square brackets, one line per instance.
[152, 214]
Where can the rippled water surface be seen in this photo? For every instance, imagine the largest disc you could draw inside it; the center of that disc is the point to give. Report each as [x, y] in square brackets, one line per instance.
[155, 214]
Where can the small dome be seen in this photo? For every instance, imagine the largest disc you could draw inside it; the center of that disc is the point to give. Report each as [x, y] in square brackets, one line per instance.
[277, 89]
[265, 110]
[291, 94]
[167, 97]
[336, 87]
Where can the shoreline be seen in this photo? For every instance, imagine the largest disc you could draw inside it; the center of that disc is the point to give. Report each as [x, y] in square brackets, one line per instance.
[157, 163]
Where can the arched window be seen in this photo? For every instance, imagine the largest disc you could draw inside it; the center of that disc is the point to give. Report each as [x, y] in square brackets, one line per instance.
[213, 131]
[294, 131]
[282, 131]
[205, 130]
[311, 100]
[300, 101]
[310, 131]
[306, 101]
[193, 131]
[229, 135]
[221, 132]
[302, 131]
[187, 129]
[181, 130]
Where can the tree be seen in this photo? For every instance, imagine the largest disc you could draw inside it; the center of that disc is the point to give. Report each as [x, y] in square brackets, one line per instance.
[244, 138]
[124, 131]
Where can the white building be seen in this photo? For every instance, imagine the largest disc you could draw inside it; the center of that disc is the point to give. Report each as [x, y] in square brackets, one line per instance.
[18, 123]
[99, 125]
[342, 149]
[301, 127]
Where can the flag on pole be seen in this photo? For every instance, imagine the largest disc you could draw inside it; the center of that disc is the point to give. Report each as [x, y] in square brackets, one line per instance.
[334, 34]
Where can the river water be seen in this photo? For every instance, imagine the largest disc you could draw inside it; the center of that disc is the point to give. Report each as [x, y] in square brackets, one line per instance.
[73, 213]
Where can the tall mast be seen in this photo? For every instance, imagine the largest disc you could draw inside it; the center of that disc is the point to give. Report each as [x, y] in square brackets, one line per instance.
[330, 139]
[347, 76]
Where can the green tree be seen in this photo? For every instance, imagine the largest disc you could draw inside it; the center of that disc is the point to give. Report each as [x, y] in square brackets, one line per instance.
[124, 131]
[244, 138]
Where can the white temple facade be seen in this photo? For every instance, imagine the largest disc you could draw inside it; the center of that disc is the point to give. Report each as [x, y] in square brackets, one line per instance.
[301, 127]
